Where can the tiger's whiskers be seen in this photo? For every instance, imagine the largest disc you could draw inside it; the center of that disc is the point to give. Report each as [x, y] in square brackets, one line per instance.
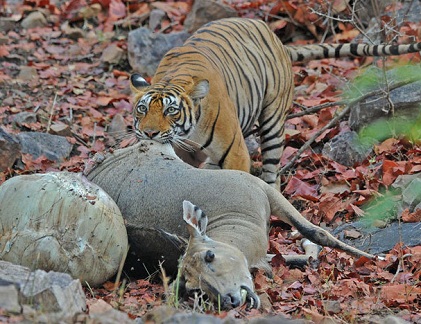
[178, 142]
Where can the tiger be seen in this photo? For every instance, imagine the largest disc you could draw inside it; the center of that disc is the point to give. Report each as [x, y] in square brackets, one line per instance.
[229, 76]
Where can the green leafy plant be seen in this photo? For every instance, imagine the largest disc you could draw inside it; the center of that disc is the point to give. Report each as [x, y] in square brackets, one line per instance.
[376, 81]
[381, 209]
[373, 78]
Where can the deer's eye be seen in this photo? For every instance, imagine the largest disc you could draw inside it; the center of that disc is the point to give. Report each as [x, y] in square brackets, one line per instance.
[209, 256]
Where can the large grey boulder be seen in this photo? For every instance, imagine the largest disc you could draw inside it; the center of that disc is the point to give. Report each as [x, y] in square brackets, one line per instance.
[405, 99]
[146, 48]
[378, 240]
[347, 149]
[204, 11]
[59, 221]
[53, 147]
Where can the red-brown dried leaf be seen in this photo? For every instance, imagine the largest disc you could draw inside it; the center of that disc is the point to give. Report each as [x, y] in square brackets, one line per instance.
[391, 170]
[413, 217]
[399, 295]
[298, 188]
[4, 51]
[330, 205]
[388, 145]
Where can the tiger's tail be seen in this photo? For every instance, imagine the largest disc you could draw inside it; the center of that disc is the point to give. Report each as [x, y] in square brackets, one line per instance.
[316, 52]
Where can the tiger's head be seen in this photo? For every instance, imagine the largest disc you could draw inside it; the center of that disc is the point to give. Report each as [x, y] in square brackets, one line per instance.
[166, 111]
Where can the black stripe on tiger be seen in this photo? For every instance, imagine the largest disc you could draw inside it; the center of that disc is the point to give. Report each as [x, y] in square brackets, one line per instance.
[314, 51]
[224, 156]
[274, 146]
[212, 131]
[249, 84]
[271, 161]
[272, 125]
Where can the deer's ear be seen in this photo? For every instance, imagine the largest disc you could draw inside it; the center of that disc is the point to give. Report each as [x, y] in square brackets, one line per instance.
[137, 82]
[195, 219]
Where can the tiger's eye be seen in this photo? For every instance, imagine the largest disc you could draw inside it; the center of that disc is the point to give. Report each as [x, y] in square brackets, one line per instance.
[209, 256]
[171, 110]
[142, 108]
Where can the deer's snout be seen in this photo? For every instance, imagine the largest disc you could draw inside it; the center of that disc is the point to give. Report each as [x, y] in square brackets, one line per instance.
[231, 301]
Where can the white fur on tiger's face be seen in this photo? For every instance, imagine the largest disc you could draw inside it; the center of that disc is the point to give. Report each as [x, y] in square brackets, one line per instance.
[160, 112]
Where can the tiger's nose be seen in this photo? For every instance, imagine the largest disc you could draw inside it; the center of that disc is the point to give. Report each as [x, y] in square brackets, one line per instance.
[151, 133]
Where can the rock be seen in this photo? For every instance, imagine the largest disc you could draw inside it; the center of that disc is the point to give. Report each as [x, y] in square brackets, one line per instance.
[9, 150]
[253, 144]
[394, 320]
[61, 222]
[406, 102]
[379, 240]
[167, 314]
[60, 129]
[7, 24]
[410, 185]
[403, 181]
[332, 306]
[379, 319]
[155, 18]
[51, 292]
[170, 315]
[117, 130]
[101, 312]
[9, 297]
[346, 149]
[53, 147]
[112, 54]
[24, 117]
[3, 39]
[204, 11]
[352, 234]
[181, 318]
[118, 125]
[34, 19]
[278, 319]
[27, 73]
[146, 49]
[72, 32]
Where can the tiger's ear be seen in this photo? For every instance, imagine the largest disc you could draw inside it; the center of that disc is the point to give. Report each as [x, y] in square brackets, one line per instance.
[200, 90]
[137, 82]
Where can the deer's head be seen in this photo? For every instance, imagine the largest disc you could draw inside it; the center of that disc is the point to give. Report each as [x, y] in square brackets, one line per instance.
[219, 269]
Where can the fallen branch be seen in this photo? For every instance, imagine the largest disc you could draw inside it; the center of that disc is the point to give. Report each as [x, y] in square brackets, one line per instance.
[315, 109]
[307, 144]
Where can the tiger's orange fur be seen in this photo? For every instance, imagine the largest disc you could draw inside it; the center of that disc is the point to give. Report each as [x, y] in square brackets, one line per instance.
[225, 78]
[230, 75]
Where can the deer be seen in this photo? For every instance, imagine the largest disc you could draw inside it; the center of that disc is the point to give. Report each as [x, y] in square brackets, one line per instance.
[216, 221]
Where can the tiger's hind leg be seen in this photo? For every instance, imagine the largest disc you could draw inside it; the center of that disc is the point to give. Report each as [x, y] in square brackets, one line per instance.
[271, 148]
[272, 136]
